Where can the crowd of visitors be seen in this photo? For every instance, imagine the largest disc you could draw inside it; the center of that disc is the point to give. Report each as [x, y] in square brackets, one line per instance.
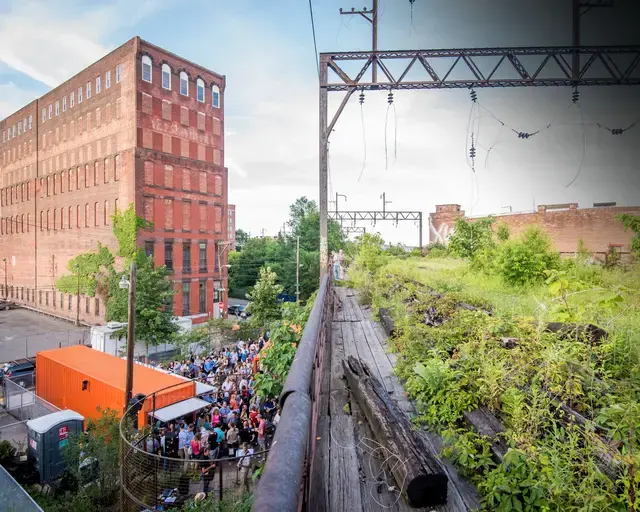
[238, 424]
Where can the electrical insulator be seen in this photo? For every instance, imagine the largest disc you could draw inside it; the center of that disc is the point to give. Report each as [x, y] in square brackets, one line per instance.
[474, 95]
[617, 131]
[524, 135]
[472, 152]
[575, 97]
[390, 98]
[361, 98]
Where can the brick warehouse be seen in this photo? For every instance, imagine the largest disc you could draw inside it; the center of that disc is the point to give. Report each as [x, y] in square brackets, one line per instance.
[140, 126]
[566, 224]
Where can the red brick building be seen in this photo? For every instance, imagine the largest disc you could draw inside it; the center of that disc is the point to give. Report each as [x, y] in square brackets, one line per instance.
[566, 224]
[140, 126]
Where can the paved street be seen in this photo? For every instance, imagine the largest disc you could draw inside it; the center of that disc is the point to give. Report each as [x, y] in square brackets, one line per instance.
[24, 332]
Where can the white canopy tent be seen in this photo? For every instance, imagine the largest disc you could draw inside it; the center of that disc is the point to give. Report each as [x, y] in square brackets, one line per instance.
[179, 409]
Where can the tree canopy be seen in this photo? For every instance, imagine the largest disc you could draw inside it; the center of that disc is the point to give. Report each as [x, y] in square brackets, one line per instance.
[280, 253]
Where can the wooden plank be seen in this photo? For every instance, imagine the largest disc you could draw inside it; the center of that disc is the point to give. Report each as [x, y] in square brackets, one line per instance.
[344, 488]
[338, 306]
[319, 478]
[380, 357]
[364, 352]
[352, 297]
[348, 341]
[338, 395]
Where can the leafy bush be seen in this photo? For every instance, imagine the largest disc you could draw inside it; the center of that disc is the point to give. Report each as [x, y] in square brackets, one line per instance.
[502, 233]
[470, 237]
[524, 260]
[437, 250]
[632, 222]
[6, 450]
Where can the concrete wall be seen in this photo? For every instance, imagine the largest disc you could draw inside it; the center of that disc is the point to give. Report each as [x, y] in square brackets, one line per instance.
[567, 225]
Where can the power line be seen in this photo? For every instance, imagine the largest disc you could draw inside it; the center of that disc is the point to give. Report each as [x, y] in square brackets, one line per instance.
[313, 30]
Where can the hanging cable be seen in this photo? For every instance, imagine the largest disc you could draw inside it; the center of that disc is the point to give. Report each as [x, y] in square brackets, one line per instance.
[395, 123]
[584, 147]
[364, 137]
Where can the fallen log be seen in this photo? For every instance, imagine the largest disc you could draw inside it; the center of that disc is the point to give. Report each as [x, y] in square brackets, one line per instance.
[577, 331]
[387, 322]
[420, 477]
[486, 424]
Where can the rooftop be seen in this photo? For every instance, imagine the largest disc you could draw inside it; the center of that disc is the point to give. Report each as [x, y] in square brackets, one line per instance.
[111, 369]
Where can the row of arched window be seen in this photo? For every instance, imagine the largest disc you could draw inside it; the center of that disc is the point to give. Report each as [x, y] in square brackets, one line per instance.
[60, 219]
[147, 76]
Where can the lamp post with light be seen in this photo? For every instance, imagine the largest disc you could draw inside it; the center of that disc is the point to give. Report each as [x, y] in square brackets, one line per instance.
[131, 341]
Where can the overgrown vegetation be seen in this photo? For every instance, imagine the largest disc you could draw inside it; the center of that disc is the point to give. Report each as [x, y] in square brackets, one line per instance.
[496, 353]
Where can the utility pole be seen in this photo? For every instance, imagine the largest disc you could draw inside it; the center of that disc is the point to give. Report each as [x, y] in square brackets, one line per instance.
[78, 297]
[373, 12]
[384, 202]
[131, 340]
[6, 289]
[298, 269]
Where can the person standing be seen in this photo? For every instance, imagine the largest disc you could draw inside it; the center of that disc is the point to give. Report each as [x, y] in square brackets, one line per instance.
[262, 427]
[244, 465]
[208, 470]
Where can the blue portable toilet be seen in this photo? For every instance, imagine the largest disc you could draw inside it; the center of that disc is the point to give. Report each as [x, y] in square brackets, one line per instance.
[47, 436]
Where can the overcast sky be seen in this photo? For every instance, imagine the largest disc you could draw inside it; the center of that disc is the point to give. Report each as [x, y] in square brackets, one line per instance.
[266, 51]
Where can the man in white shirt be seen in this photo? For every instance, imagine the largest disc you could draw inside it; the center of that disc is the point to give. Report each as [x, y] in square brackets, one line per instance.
[244, 464]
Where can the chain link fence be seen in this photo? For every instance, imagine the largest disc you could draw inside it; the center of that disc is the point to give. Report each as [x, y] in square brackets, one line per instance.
[158, 473]
[19, 406]
[20, 347]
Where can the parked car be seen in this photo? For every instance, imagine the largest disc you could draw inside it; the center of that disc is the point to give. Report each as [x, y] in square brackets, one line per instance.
[284, 297]
[238, 310]
[18, 368]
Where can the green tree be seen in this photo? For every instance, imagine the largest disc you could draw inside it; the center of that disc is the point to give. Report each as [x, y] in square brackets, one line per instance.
[264, 306]
[469, 238]
[88, 272]
[242, 237]
[632, 222]
[154, 302]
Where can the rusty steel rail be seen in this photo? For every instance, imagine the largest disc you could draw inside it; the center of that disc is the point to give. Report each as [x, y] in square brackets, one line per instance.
[283, 485]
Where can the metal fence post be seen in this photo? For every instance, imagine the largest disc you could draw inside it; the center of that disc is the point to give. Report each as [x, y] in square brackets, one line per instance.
[220, 479]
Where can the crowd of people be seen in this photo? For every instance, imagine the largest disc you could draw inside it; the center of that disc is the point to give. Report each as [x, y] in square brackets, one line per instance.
[238, 424]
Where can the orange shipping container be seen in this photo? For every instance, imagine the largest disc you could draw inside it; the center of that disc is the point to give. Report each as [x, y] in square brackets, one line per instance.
[61, 376]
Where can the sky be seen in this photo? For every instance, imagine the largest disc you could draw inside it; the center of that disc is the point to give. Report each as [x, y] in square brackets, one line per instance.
[266, 51]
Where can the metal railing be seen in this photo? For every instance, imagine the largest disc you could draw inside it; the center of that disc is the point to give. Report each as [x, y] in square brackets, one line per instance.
[152, 477]
[284, 484]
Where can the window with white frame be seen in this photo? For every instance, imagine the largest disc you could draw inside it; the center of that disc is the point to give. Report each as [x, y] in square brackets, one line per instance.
[215, 96]
[166, 77]
[118, 73]
[57, 107]
[24, 125]
[9, 138]
[200, 89]
[79, 94]
[72, 98]
[184, 84]
[64, 104]
[88, 95]
[44, 115]
[4, 136]
[19, 128]
[50, 111]
[146, 68]
[30, 122]
[14, 131]
[107, 79]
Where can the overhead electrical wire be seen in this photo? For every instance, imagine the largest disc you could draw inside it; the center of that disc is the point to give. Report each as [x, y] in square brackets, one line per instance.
[315, 44]
[395, 124]
[584, 148]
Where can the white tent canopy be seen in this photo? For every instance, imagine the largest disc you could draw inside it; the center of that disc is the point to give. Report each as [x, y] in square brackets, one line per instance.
[179, 409]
